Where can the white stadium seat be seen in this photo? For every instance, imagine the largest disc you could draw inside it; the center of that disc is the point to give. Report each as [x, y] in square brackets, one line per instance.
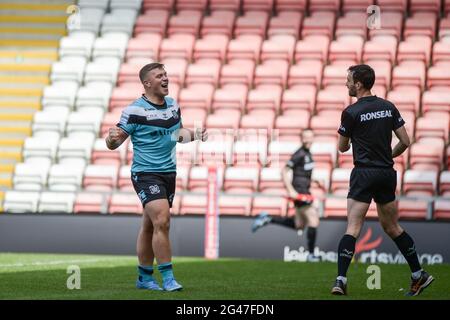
[53, 120]
[117, 22]
[16, 201]
[95, 94]
[83, 121]
[68, 69]
[75, 150]
[60, 94]
[65, 177]
[56, 202]
[99, 4]
[126, 4]
[39, 148]
[29, 176]
[102, 70]
[112, 44]
[78, 44]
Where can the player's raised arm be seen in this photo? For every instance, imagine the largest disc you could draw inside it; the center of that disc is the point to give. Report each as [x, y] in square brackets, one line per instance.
[115, 138]
[403, 143]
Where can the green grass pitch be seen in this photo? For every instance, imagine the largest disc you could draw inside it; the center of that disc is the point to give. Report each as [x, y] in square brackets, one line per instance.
[44, 276]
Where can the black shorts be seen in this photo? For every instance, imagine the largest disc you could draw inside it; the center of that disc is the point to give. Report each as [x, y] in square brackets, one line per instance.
[376, 183]
[153, 186]
[300, 204]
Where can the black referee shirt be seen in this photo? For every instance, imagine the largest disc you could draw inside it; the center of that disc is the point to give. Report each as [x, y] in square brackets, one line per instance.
[369, 123]
[302, 165]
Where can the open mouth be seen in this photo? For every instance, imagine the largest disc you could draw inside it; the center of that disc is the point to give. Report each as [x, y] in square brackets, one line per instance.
[165, 85]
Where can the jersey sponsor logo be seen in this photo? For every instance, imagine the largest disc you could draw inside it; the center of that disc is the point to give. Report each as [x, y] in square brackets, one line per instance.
[142, 195]
[376, 115]
[174, 114]
[154, 189]
[162, 132]
[308, 166]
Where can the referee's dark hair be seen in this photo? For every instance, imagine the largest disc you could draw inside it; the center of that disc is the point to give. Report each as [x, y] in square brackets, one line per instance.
[147, 68]
[363, 73]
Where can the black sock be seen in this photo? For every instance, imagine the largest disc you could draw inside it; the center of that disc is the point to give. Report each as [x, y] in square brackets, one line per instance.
[287, 222]
[406, 246]
[346, 250]
[311, 237]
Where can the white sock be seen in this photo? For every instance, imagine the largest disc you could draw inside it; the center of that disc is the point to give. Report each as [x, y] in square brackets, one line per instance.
[416, 275]
[343, 279]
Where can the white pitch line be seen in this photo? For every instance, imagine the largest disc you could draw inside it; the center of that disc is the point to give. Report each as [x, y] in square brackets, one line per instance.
[54, 262]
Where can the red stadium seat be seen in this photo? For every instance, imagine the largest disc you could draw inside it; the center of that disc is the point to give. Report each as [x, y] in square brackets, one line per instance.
[270, 178]
[231, 5]
[246, 46]
[88, 202]
[197, 96]
[324, 154]
[419, 183]
[383, 70]
[306, 72]
[433, 126]
[219, 22]
[324, 5]
[241, 177]
[177, 46]
[272, 72]
[340, 181]
[233, 202]
[250, 153]
[290, 5]
[124, 182]
[215, 152]
[129, 72]
[102, 155]
[253, 23]
[124, 95]
[198, 5]
[444, 28]
[421, 23]
[230, 96]
[415, 48]
[211, 46]
[392, 25]
[186, 153]
[324, 125]
[293, 122]
[393, 5]
[299, 97]
[278, 47]
[448, 157]
[259, 119]
[281, 151]
[441, 209]
[438, 76]
[356, 5]
[335, 208]
[273, 205]
[258, 5]
[124, 203]
[144, 45]
[335, 74]
[203, 71]
[198, 178]
[176, 204]
[185, 22]
[312, 47]
[345, 160]
[427, 153]
[238, 71]
[381, 47]
[193, 117]
[194, 204]
[347, 47]
[157, 4]
[441, 51]
[182, 176]
[352, 23]
[405, 98]
[444, 183]
[286, 23]
[425, 5]
[409, 72]
[265, 97]
[436, 101]
[154, 21]
[332, 98]
[319, 23]
[100, 177]
[176, 70]
[412, 209]
[224, 119]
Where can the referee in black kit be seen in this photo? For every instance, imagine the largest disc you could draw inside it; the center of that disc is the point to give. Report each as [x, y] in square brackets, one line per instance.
[368, 125]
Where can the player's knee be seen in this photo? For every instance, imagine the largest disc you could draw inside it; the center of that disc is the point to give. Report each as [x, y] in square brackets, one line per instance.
[162, 223]
[391, 229]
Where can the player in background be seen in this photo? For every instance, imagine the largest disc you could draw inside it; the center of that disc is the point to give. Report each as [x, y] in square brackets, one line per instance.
[297, 176]
[368, 125]
[153, 122]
